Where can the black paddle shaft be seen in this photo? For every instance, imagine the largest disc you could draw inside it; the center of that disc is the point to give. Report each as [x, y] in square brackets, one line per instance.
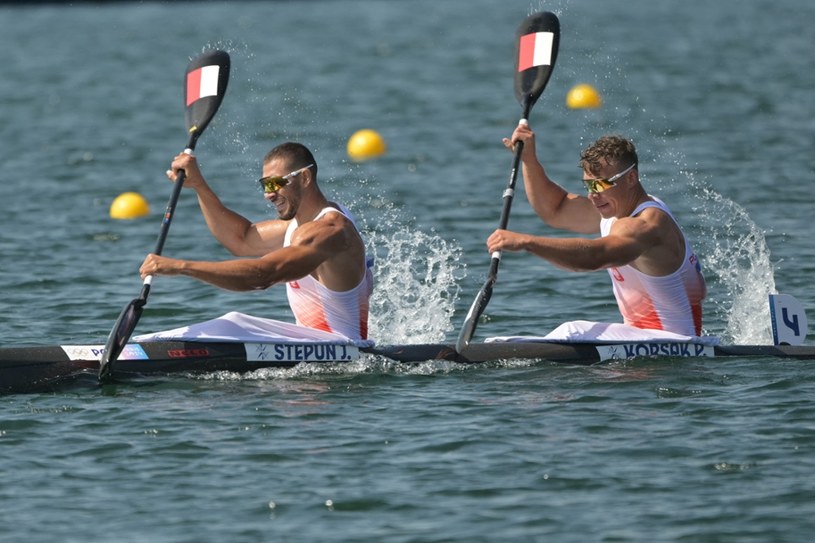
[484, 295]
[509, 193]
[165, 225]
[532, 75]
[168, 214]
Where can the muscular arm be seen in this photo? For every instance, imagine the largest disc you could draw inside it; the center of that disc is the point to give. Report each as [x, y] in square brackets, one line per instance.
[553, 204]
[629, 242]
[312, 245]
[237, 234]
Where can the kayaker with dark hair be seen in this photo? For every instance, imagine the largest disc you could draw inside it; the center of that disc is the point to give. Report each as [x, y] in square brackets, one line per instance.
[314, 247]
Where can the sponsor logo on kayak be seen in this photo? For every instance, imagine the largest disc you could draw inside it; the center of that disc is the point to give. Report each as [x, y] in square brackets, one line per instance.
[299, 352]
[634, 350]
[187, 353]
[95, 352]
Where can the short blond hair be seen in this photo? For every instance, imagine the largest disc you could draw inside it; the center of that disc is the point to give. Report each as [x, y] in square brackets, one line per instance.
[612, 150]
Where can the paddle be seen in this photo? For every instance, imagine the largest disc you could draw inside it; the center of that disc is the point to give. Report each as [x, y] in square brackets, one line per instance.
[537, 41]
[205, 86]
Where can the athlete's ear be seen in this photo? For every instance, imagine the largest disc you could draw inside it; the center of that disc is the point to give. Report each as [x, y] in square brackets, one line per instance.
[629, 178]
[307, 176]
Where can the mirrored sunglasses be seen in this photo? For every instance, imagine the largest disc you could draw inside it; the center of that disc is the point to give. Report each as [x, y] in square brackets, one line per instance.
[273, 183]
[600, 184]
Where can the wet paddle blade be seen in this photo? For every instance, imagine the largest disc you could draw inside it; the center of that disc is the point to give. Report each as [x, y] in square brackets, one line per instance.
[206, 81]
[119, 336]
[471, 321]
[537, 42]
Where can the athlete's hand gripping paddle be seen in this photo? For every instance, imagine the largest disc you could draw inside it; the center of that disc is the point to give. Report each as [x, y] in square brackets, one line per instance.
[537, 42]
[206, 79]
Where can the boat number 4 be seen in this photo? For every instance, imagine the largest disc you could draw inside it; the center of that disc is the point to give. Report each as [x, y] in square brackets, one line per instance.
[788, 320]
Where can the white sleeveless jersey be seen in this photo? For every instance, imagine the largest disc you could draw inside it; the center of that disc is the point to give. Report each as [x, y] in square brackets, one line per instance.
[316, 306]
[671, 302]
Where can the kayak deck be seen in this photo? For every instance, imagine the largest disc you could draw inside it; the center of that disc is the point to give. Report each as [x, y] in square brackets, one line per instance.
[25, 369]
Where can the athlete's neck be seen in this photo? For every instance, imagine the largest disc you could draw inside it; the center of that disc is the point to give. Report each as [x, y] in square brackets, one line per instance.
[310, 208]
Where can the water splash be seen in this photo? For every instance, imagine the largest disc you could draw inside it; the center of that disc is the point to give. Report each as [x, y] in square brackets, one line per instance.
[734, 251]
[416, 290]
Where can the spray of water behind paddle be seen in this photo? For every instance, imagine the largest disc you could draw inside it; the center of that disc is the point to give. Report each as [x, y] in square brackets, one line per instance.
[417, 282]
[737, 255]
[735, 259]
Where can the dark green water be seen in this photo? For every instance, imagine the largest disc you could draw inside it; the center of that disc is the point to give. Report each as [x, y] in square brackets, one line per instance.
[717, 96]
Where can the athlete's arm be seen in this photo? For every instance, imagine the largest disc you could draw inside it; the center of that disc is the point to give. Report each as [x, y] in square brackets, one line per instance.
[235, 232]
[553, 204]
[320, 241]
[629, 240]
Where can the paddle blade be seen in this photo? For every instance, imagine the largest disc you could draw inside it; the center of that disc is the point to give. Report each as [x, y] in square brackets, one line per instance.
[536, 47]
[471, 321]
[206, 80]
[119, 336]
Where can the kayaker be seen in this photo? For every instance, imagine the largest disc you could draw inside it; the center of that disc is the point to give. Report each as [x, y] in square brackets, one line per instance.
[656, 275]
[314, 247]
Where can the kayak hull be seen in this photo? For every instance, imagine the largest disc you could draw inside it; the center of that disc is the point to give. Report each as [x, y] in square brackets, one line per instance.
[29, 369]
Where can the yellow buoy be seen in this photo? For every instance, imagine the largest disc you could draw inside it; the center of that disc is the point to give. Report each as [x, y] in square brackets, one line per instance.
[583, 96]
[129, 205]
[366, 144]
